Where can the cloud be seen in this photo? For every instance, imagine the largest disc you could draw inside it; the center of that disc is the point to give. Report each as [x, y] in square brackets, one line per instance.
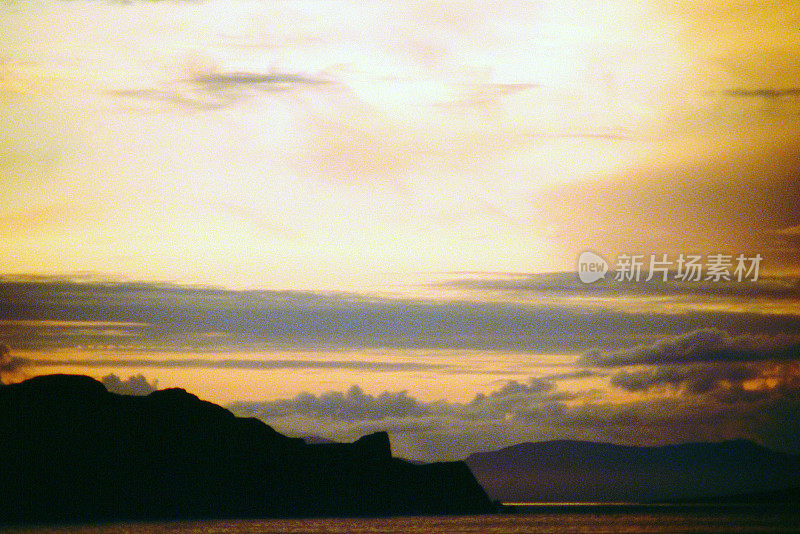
[701, 345]
[693, 379]
[708, 402]
[512, 394]
[697, 195]
[134, 385]
[568, 284]
[227, 363]
[208, 88]
[155, 99]
[538, 410]
[269, 80]
[764, 92]
[419, 429]
[156, 317]
[788, 237]
[570, 375]
[10, 366]
[793, 231]
[712, 405]
[353, 405]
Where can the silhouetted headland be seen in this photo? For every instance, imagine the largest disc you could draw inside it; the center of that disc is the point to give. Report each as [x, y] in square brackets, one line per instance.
[73, 452]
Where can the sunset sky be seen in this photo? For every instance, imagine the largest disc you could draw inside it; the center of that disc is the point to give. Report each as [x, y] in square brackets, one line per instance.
[347, 216]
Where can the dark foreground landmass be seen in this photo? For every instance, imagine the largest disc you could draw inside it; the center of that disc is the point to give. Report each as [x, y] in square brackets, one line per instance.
[73, 452]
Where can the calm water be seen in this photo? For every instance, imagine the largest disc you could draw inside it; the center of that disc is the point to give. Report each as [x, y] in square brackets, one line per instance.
[536, 519]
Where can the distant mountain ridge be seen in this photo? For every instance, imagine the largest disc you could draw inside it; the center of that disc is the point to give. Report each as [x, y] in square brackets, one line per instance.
[74, 452]
[582, 471]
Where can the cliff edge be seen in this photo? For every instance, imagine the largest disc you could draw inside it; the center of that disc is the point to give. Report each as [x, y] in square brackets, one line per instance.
[75, 452]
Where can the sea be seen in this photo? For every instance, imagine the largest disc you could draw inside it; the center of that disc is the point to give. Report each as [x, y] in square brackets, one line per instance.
[527, 518]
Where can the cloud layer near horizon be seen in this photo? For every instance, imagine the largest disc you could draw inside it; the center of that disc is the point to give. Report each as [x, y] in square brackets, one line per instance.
[706, 403]
[60, 314]
[635, 377]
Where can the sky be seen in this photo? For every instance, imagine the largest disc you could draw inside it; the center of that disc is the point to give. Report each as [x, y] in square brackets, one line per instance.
[345, 216]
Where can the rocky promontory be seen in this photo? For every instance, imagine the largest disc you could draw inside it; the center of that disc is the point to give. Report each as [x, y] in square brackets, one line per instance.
[74, 452]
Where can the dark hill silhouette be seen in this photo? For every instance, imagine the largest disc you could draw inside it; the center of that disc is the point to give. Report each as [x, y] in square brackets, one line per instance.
[581, 471]
[72, 451]
[318, 440]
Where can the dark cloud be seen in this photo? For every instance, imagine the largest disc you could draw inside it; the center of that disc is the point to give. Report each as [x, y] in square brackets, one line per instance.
[134, 385]
[269, 81]
[568, 284]
[211, 89]
[764, 92]
[694, 379]
[156, 317]
[226, 363]
[701, 345]
[512, 394]
[768, 415]
[709, 402]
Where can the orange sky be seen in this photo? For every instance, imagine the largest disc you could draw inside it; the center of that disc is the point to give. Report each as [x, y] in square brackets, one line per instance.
[402, 138]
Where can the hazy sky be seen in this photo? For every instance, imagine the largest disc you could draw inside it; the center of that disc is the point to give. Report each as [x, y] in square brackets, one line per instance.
[390, 194]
